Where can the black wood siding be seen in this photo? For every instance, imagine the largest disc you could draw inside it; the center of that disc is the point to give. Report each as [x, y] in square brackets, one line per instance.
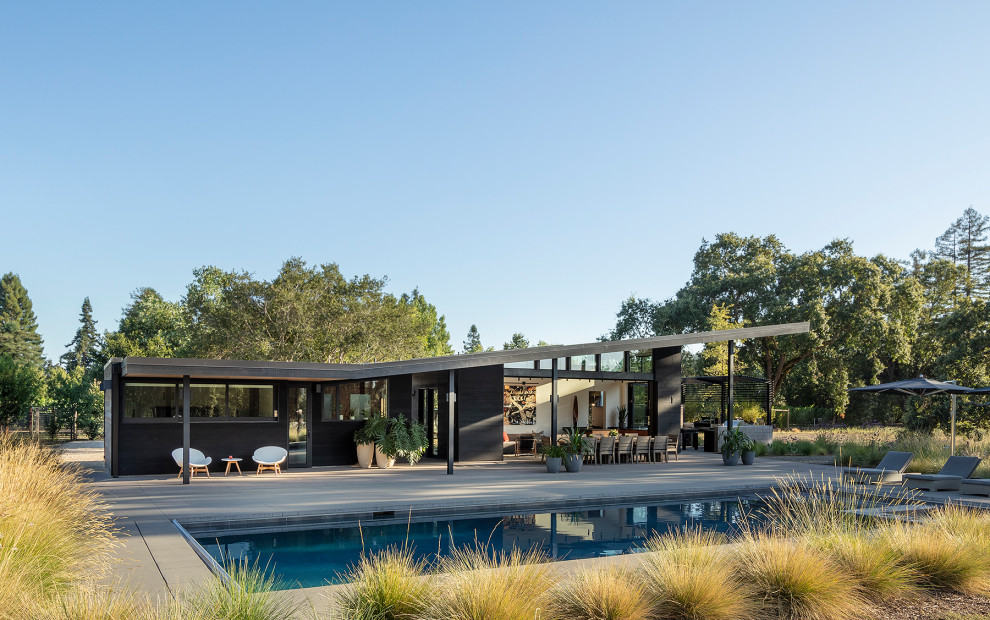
[146, 447]
[667, 374]
[479, 414]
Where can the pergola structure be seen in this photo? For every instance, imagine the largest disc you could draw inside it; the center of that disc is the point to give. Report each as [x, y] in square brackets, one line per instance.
[745, 388]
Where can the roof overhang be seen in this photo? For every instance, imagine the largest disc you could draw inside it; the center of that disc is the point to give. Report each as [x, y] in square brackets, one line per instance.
[153, 367]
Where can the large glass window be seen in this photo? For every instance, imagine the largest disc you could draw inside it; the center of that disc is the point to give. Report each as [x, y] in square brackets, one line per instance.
[525, 365]
[208, 401]
[612, 362]
[641, 361]
[251, 401]
[150, 400]
[583, 362]
[640, 397]
[356, 400]
[215, 401]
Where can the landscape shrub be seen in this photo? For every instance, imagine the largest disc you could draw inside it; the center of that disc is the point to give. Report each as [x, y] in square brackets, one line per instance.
[691, 577]
[55, 533]
[939, 559]
[873, 562]
[610, 593]
[794, 580]
[388, 585]
[477, 584]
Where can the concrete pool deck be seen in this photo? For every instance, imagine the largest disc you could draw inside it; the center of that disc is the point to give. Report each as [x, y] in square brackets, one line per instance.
[158, 561]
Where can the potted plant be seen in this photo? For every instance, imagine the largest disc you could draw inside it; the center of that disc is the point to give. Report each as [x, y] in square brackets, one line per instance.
[392, 444]
[732, 443]
[418, 442]
[364, 439]
[622, 414]
[575, 452]
[555, 456]
[748, 449]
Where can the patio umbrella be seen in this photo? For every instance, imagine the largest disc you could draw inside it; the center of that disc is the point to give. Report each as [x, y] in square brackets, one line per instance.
[575, 413]
[923, 386]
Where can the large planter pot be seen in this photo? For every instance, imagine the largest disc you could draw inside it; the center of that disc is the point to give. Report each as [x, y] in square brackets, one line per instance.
[381, 460]
[730, 459]
[573, 463]
[364, 452]
[553, 464]
[749, 457]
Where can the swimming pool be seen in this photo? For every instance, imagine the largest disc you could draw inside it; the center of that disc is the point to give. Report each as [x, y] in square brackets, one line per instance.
[315, 557]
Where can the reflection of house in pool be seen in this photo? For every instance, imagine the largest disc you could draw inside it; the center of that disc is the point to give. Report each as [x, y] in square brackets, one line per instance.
[232, 407]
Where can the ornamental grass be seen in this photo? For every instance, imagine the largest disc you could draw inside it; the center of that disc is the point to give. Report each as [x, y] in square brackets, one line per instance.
[251, 593]
[55, 534]
[939, 559]
[794, 580]
[878, 568]
[389, 585]
[480, 585]
[610, 593]
[691, 576]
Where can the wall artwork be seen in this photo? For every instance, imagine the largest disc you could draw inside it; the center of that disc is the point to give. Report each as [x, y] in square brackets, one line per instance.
[519, 404]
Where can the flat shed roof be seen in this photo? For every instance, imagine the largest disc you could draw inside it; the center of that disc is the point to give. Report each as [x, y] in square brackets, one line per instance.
[312, 371]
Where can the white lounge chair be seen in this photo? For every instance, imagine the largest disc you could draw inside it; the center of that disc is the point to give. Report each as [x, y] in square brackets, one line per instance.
[270, 457]
[890, 469]
[197, 461]
[948, 478]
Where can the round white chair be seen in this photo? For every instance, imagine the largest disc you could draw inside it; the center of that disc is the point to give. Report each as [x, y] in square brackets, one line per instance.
[270, 457]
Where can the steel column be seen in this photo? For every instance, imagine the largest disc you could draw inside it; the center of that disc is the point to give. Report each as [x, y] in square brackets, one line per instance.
[554, 397]
[451, 401]
[732, 385]
[186, 397]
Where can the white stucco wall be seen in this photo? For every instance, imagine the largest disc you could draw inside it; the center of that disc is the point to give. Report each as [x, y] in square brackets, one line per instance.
[615, 395]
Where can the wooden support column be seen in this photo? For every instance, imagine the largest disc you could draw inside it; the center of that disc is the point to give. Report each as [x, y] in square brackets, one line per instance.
[186, 397]
[451, 402]
[554, 398]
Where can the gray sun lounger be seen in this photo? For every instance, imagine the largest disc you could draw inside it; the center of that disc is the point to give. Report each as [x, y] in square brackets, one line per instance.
[948, 478]
[975, 486]
[889, 469]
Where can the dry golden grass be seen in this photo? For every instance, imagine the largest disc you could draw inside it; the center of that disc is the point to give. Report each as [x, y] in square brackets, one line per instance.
[796, 581]
[386, 586]
[692, 577]
[939, 558]
[610, 593]
[55, 534]
[475, 586]
[877, 567]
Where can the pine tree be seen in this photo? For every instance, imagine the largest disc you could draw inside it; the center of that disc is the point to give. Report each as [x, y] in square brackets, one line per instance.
[473, 342]
[964, 243]
[19, 337]
[518, 341]
[85, 347]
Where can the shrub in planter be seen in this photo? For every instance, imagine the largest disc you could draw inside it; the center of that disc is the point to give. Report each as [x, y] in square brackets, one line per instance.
[575, 452]
[732, 443]
[418, 443]
[555, 455]
[748, 451]
[394, 443]
[372, 431]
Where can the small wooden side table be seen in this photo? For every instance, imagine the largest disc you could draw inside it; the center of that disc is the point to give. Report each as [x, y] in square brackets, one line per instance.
[232, 461]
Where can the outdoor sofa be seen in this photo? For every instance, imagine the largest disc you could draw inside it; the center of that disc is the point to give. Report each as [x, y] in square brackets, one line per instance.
[890, 469]
[955, 470]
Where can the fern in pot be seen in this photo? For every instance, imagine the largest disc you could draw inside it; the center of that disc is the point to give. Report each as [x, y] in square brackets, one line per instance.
[392, 444]
[418, 442]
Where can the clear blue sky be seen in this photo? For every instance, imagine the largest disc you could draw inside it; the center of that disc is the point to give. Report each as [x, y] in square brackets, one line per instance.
[527, 165]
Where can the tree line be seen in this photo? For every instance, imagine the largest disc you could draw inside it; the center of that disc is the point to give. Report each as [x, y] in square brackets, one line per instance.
[873, 319]
[311, 314]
